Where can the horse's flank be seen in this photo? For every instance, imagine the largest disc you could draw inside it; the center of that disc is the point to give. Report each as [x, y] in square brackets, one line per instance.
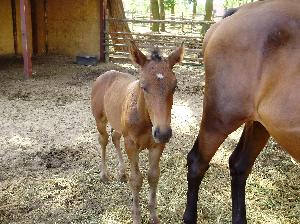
[252, 76]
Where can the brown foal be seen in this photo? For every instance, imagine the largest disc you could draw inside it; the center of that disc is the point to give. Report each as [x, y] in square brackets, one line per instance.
[252, 76]
[140, 111]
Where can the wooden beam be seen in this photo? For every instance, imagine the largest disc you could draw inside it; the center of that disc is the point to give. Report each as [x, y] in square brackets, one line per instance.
[102, 30]
[34, 27]
[25, 16]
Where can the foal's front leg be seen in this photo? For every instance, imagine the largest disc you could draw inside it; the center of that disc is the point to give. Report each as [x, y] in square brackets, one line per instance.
[135, 178]
[153, 177]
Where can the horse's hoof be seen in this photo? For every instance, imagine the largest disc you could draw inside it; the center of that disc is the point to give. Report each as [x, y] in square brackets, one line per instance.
[188, 219]
[154, 220]
[104, 178]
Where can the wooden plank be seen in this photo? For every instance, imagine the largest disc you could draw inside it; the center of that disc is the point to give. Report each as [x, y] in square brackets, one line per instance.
[195, 22]
[198, 39]
[155, 35]
[159, 46]
[25, 16]
[124, 58]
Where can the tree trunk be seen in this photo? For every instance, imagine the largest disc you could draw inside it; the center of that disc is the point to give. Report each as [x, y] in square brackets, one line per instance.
[208, 15]
[155, 14]
[173, 14]
[162, 15]
[116, 10]
[194, 8]
[173, 10]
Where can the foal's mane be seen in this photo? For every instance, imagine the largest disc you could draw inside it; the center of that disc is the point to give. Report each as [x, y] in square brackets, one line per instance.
[155, 54]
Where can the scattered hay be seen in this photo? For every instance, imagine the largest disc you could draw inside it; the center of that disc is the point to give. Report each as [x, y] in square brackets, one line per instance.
[49, 169]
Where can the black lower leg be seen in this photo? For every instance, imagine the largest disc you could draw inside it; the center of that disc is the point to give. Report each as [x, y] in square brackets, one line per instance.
[196, 171]
[238, 183]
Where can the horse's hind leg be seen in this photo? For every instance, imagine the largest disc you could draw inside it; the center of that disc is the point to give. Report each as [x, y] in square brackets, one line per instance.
[116, 136]
[103, 140]
[211, 135]
[252, 141]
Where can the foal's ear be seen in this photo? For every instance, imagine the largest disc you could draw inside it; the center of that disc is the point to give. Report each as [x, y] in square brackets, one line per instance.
[136, 55]
[176, 56]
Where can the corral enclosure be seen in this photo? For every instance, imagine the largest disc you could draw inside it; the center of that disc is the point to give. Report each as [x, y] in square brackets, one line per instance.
[49, 169]
[49, 161]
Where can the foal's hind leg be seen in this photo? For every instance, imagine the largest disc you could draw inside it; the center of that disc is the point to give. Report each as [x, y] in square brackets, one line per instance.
[153, 177]
[116, 136]
[211, 134]
[103, 140]
[252, 141]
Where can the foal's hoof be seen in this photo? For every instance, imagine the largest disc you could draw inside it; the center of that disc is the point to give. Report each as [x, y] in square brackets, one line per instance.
[123, 178]
[104, 178]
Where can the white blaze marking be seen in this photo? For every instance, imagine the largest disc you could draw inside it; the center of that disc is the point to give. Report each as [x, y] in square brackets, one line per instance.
[160, 76]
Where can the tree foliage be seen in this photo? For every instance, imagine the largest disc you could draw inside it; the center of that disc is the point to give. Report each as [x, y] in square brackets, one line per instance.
[169, 4]
[235, 3]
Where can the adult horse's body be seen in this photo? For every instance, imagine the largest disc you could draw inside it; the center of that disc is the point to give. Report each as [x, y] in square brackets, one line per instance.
[252, 68]
[140, 111]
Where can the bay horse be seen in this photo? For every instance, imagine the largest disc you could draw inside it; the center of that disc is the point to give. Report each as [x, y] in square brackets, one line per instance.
[140, 111]
[252, 77]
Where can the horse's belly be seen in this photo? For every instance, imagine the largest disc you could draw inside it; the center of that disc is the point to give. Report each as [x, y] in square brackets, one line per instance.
[289, 139]
[282, 120]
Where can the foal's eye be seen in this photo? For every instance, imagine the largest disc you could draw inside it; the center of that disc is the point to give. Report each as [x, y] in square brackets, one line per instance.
[144, 89]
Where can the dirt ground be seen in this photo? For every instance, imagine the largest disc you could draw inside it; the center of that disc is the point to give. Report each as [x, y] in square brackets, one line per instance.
[49, 163]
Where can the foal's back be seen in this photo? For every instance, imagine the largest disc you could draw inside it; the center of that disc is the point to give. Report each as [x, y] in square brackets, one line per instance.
[108, 94]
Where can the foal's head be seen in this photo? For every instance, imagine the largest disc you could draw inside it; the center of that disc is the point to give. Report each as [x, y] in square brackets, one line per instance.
[158, 83]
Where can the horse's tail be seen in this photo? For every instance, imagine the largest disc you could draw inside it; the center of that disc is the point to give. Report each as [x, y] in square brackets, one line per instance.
[230, 12]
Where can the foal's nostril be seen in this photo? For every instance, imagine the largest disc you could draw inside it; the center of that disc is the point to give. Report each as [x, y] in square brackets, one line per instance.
[169, 133]
[156, 133]
[162, 136]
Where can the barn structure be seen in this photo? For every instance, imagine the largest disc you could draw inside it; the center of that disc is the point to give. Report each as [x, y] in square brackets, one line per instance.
[40, 27]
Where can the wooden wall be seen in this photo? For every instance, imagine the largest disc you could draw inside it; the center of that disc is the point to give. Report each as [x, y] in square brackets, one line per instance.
[67, 27]
[6, 28]
[76, 30]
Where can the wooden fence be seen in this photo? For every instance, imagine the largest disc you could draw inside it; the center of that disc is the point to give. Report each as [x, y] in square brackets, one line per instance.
[178, 30]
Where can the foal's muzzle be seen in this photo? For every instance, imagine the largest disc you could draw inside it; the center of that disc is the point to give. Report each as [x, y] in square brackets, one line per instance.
[162, 136]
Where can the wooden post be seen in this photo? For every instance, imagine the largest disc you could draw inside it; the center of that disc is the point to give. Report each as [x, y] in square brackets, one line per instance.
[34, 27]
[182, 26]
[106, 38]
[24, 10]
[15, 32]
[102, 31]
